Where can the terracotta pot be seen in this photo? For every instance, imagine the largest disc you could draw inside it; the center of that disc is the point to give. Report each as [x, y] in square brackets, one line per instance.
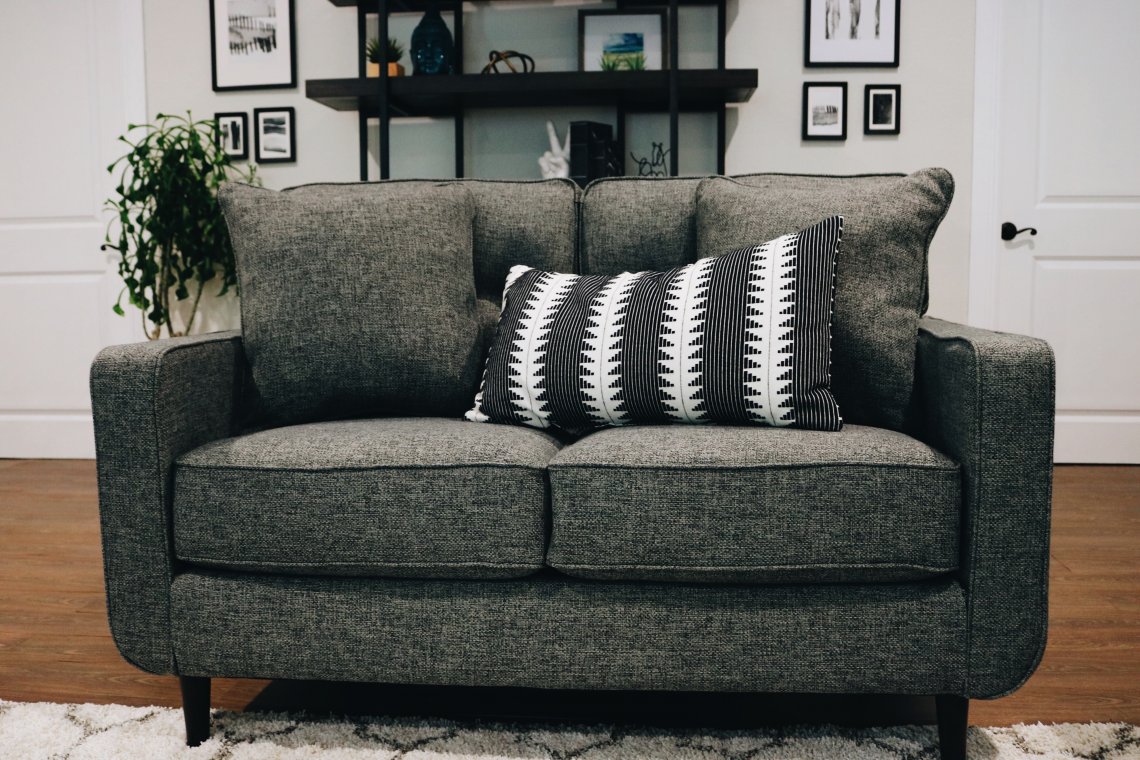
[394, 69]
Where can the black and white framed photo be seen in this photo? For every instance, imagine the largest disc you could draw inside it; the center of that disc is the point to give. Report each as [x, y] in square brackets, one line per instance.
[881, 104]
[851, 33]
[252, 44]
[274, 135]
[233, 134]
[825, 111]
[621, 40]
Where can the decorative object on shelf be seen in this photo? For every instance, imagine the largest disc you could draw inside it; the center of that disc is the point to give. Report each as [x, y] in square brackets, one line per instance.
[391, 56]
[167, 226]
[621, 40]
[433, 49]
[881, 104]
[655, 164]
[274, 135]
[514, 61]
[555, 163]
[252, 44]
[233, 134]
[594, 153]
[825, 111]
[851, 33]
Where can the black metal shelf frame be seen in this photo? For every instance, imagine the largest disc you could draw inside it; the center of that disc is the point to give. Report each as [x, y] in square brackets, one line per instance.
[382, 8]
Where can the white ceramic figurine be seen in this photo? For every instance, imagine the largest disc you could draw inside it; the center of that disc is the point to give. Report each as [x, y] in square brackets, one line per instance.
[555, 162]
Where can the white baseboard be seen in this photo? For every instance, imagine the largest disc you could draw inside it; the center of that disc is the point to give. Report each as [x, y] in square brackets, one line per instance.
[53, 435]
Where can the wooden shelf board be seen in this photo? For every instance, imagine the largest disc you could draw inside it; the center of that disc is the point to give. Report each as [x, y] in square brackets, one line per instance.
[700, 90]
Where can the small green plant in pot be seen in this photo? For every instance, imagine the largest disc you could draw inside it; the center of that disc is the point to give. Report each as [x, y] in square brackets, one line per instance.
[168, 227]
[391, 55]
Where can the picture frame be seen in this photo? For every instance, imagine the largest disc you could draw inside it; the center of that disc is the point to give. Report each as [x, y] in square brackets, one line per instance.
[622, 40]
[275, 135]
[252, 45]
[233, 134]
[824, 111]
[881, 109]
[851, 33]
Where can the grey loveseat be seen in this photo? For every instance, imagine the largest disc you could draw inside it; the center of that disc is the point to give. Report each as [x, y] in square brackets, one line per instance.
[905, 554]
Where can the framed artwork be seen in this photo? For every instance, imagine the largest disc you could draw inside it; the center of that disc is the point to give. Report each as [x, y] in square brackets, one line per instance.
[274, 135]
[825, 111]
[233, 134]
[621, 40]
[881, 109]
[252, 44]
[851, 33]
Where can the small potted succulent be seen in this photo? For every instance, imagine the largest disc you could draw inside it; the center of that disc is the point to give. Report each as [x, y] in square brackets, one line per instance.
[393, 55]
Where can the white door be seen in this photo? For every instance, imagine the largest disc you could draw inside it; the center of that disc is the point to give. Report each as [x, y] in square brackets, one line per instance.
[71, 74]
[1057, 148]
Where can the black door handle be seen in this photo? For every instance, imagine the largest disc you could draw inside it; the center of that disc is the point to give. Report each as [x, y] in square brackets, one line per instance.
[1009, 230]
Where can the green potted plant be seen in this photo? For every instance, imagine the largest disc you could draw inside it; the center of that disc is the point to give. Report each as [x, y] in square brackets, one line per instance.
[393, 55]
[167, 226]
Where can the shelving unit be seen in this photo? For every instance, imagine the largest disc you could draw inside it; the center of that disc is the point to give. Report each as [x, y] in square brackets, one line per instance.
[672, 90]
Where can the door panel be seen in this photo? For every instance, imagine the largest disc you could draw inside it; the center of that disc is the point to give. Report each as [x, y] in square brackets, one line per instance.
[1069, 165]
[66, 69]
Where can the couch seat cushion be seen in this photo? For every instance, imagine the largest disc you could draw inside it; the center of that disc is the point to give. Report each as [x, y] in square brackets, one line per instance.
[753, 504]
[402, 497]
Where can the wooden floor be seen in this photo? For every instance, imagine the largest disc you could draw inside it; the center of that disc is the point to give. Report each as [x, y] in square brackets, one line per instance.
[55, 644]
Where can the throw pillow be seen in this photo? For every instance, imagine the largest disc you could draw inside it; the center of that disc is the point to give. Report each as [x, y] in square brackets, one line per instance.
[738, 338]
[356, 299]
[888, 223]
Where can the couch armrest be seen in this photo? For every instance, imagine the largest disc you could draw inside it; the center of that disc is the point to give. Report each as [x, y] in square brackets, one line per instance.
[153, 402]
[987, 400]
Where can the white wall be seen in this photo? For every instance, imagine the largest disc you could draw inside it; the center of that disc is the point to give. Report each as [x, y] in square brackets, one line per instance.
[764, 135]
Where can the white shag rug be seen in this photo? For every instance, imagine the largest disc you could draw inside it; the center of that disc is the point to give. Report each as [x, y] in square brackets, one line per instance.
[35, 731]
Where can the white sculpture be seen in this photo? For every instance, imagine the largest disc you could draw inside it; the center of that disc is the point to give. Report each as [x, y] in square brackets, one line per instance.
[555, 162]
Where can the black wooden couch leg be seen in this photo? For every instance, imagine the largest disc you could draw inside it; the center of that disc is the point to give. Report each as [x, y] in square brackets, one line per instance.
[953, 717]
[196, 708]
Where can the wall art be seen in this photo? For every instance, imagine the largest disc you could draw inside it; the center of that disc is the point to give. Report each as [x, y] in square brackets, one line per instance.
[851, 33]
[881, 103]
[252, 44]
[613, 40]
[274, 135]
[825, 111]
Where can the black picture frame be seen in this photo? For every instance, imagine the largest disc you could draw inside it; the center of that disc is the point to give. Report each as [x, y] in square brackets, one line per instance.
[264, 150]
[226, 136]
[876, 98]
[583, 15]
[225, 77]
[816, 131]
[878, 53]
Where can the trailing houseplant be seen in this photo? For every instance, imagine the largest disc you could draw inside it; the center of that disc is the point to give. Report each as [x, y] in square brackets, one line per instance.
[167, 227]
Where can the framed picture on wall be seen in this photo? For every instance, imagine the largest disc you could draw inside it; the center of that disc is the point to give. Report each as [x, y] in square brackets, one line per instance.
[233, 134]
[621, 40]
[825, 111]
[881, 109]
[274, 135]
[850, 33]
[252, 44]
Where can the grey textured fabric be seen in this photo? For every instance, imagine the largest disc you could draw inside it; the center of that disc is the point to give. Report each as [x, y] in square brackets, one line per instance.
[750, 504]
[357, 299]
[152, 402]
[988, 400]
[633, 225]
[880, 280]
[551, 632]
[406, 497]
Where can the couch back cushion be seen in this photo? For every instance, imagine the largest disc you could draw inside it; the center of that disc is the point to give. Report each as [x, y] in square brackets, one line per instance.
[889, 221]
[357, 299]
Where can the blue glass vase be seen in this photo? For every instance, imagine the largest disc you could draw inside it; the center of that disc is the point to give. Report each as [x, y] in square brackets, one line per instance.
[433, 49]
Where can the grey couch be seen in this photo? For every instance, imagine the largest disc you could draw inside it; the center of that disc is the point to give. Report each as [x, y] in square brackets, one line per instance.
[906, 554]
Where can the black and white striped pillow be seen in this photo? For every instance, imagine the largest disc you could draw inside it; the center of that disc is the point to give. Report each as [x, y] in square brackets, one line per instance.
[739, 338]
